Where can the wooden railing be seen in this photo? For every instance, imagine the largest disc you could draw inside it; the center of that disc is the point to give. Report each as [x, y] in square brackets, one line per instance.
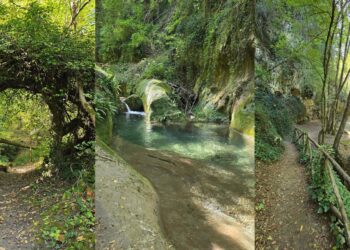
[329, 164]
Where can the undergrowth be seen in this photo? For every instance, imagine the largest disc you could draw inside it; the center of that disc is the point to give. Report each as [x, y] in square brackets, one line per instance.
[274, 118]
[69, 223]
[321, 190]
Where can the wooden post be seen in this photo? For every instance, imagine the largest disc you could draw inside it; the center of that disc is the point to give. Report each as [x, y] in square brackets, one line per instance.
[339, 200]
[30, 150]
[304, 143]
[310, 159]
[31, 154]
[300, 135]
[309, 149]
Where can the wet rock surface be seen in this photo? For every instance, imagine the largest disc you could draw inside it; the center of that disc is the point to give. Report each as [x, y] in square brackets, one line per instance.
[126, 207]
[200, 207]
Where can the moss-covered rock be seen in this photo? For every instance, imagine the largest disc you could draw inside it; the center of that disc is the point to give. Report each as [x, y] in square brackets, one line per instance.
[156, 102]
[208, 113]
[203, 48]
[311, 109]
[228, 65]
[135, 103]
[151, 90]
[243, 118]
[104, 127]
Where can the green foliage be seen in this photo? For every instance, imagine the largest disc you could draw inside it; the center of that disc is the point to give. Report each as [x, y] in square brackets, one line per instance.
[42, 56]
[8, 153]
[107, 94]
[80, 165]
[69, 224]
[296, 109]
[159, 68]
[268, 143]
[274, 117]
[276, 111]
[107, 101]
[208, 113]
[50, 47]
[192, 44]
[24, 118]
[23, 111]
[291, 38]
[46, 64]
[307, 92]
[164, 110]
[124, 33]
[321, 189]
[272, 123]
[338, 231]
[260, 206]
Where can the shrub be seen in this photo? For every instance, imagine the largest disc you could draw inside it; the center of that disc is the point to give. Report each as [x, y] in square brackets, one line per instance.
[274, 118]
[268, 143]
[209, 113]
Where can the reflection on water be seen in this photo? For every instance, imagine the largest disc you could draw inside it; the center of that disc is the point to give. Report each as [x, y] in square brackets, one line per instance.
[212, 143]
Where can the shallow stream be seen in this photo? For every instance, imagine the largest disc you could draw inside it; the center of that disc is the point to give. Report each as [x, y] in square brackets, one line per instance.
[203, 175]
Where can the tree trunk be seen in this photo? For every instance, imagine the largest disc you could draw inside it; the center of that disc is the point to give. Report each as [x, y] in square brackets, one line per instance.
[342, 124]
[326, 59]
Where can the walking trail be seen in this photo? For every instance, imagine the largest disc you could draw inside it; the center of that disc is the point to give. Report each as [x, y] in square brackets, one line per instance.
[21, 203]
[16, 212]
[289, 218]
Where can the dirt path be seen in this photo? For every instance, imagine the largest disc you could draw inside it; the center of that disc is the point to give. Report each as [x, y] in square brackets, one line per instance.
[289, 219]
[200, 208]
[16, 212]
[313, 128]
[22, 201]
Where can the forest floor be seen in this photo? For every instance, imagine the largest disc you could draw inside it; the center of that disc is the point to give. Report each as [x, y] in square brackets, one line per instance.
[22, 201]
[288, 218]
[199, 207]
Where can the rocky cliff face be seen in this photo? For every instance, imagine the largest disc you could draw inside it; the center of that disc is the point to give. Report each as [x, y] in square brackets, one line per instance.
[202, 49]
[227, 80]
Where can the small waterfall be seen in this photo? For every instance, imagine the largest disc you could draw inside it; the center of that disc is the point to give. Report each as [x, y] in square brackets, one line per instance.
[127, 107]
[131, 112]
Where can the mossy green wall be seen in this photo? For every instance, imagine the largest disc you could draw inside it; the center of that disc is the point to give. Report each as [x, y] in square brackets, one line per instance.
[243, 118]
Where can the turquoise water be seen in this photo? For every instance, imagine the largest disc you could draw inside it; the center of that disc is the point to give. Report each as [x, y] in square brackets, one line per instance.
[212, 143]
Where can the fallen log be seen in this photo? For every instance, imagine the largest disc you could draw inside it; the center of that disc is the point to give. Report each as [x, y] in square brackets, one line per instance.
[17, 144]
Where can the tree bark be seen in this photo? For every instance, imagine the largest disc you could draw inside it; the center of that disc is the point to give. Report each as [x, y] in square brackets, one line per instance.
[326, 60]
[87, 107]
[342, 124]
